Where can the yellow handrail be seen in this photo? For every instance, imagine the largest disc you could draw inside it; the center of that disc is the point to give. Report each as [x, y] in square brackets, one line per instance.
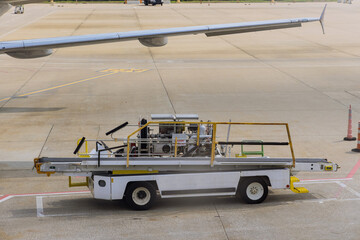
[214, 134]
[175, 150]
[213, 144]
[83, 154]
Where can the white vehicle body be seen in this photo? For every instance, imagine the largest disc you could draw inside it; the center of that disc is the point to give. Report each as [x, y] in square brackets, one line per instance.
[187, 184]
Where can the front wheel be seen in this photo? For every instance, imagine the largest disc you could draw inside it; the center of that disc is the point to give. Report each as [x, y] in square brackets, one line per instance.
[140, 195]
[253, 190]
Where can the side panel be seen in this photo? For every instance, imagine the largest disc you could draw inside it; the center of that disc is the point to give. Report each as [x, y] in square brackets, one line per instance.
[279, 178]
[198, 184]
[102, 187]
[191, 184]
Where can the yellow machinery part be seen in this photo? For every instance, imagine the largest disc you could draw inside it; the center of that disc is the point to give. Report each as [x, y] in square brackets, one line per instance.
[78, 184]
[328, 168]
[37, 167]
[296, 189]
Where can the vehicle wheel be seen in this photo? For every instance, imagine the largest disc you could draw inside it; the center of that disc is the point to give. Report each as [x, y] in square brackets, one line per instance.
[253, 190]
[140, 195]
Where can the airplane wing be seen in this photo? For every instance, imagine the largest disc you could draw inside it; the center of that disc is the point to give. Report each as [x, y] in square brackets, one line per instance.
[35, 48]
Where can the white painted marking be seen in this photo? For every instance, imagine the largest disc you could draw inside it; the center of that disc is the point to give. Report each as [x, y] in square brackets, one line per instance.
[6, 198]
[349, 189]
[325, 180]
[40, 209]
[42, 194]
[39, 206]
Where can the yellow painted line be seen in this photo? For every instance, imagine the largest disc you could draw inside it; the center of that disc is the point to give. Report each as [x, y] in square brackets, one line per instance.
[127, 70]
[108, 72]
[65, 85]
[4, 99]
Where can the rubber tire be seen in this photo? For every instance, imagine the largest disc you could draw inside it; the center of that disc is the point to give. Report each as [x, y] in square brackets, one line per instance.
[132, 187]
[243, 186]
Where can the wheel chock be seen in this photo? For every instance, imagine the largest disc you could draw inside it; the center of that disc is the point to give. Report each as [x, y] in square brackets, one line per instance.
[296, 189]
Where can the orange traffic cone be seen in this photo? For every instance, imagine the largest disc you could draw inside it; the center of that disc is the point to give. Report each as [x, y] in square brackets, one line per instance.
[357, 149]
[349, 136]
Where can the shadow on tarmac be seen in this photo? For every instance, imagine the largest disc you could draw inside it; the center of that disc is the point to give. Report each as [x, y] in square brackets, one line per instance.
[82, 206]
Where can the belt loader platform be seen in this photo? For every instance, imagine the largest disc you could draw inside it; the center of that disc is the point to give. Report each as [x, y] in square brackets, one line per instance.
[178, 158]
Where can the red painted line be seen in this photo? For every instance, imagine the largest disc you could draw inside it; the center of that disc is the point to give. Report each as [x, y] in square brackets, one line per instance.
[44, 193]
[353, 171]
[5, 196]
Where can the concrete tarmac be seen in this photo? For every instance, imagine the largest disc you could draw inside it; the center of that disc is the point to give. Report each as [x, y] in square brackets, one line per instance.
[299, 76]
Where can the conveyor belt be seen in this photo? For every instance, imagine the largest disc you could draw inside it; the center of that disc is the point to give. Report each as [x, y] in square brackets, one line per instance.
[174, 160]
[78, 165]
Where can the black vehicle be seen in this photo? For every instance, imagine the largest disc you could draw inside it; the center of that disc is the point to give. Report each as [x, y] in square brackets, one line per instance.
[153, 2]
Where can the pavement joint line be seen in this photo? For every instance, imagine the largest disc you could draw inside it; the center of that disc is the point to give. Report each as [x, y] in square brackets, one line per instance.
[280, 69]
[52, 127]
[155, 65]
[23, 85]
[222, 224]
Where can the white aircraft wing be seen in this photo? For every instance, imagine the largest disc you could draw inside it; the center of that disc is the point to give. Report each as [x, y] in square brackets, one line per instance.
[34, 48]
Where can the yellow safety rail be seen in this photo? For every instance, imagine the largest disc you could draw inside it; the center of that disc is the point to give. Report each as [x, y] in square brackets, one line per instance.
[83, 154]
[214, 125]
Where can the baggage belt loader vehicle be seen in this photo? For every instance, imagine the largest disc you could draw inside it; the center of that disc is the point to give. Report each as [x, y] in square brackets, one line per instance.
[177, 156]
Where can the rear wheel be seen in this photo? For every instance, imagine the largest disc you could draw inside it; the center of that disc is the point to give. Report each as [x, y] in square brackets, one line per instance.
[140, 195]
[253, 190]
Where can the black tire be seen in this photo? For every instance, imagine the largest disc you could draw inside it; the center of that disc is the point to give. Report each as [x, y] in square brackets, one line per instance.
[252, 190]
[140, 195]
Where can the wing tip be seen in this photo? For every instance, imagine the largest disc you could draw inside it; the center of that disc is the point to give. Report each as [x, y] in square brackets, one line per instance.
[321, 19]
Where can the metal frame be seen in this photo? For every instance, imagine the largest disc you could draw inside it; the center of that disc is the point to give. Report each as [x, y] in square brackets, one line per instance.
[214, 125]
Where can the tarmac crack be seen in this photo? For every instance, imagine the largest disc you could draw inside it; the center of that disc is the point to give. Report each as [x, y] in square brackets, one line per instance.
[281, 71]
[42, 148]
[156, 67]
[221, 221]
[22, 86]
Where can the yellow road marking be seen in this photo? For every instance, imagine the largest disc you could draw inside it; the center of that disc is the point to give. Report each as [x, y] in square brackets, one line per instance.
[108, 73]
[125, 70]
[64, 85]
[4, 99]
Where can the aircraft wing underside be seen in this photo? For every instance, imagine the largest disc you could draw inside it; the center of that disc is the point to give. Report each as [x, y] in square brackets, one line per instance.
[152, 38]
